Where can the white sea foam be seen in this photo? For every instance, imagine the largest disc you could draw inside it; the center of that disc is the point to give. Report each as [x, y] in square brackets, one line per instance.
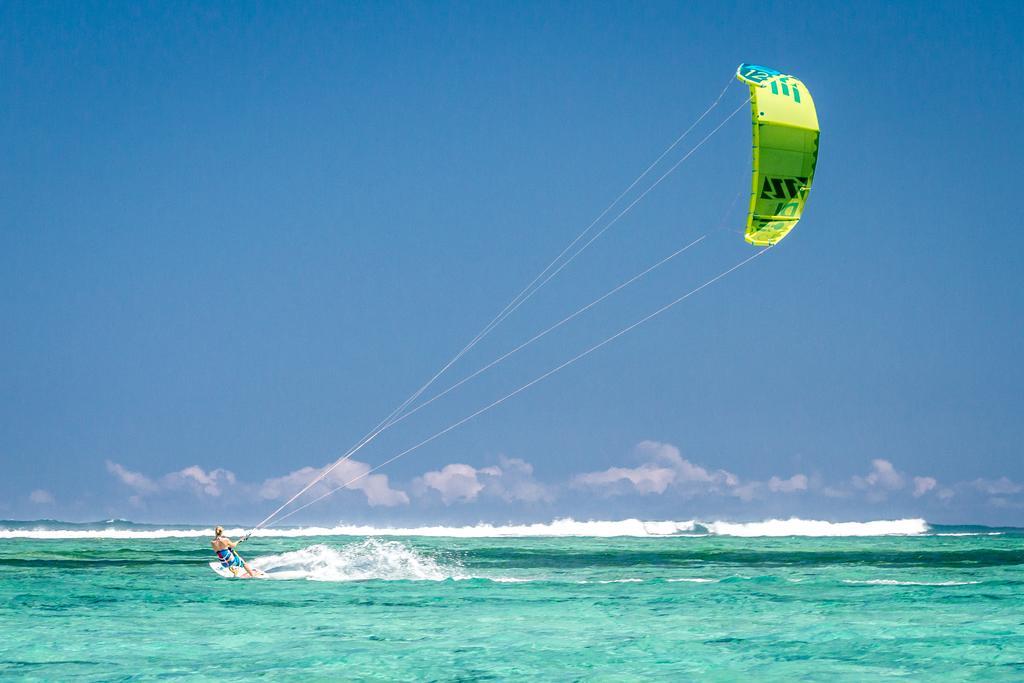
[558, 528]
[371, 559]
[894, 582]
[694, 580]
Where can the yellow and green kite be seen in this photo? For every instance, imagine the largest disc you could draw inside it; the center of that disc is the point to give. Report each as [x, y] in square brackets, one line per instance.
[785, 152]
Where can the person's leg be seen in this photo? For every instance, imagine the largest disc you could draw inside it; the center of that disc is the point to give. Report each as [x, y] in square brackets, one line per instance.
[245, 565]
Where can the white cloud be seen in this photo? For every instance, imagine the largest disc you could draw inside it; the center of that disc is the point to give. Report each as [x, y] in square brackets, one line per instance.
[685, 470]
[135, 480]
[41, 497]
[880, 481]
[646, 478]
[193, 478]
[747, 492]
[666, 467]
[218, 482]
[884, 479]
[883, 475]
[1000, 486]
[756, 489]
[211, 483]
[798, 482]
[351, 474]
[923, 485]
[511, 480]
[455, 482]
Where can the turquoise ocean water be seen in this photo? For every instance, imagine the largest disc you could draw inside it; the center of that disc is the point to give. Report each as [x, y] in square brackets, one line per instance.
[120, 601]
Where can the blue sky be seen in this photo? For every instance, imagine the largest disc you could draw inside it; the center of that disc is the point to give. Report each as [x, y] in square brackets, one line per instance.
[232, 238]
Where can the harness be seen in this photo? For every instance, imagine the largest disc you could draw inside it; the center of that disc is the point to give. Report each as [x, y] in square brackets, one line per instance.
[226, 556]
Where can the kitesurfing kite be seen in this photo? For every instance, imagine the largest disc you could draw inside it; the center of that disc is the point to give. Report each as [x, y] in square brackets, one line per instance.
[785, 152]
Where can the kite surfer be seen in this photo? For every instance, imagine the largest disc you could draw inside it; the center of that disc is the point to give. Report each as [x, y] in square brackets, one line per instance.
[229, 559]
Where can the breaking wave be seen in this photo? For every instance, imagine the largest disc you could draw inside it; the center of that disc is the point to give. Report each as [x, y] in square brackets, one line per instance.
[120, 529]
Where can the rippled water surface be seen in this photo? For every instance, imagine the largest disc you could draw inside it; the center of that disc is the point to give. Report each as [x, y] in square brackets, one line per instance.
[943, 605]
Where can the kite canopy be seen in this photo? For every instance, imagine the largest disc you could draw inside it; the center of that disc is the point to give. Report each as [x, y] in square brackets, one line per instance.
[785, 152]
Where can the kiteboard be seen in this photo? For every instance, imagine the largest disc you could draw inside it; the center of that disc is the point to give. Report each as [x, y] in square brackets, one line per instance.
[228, 574]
